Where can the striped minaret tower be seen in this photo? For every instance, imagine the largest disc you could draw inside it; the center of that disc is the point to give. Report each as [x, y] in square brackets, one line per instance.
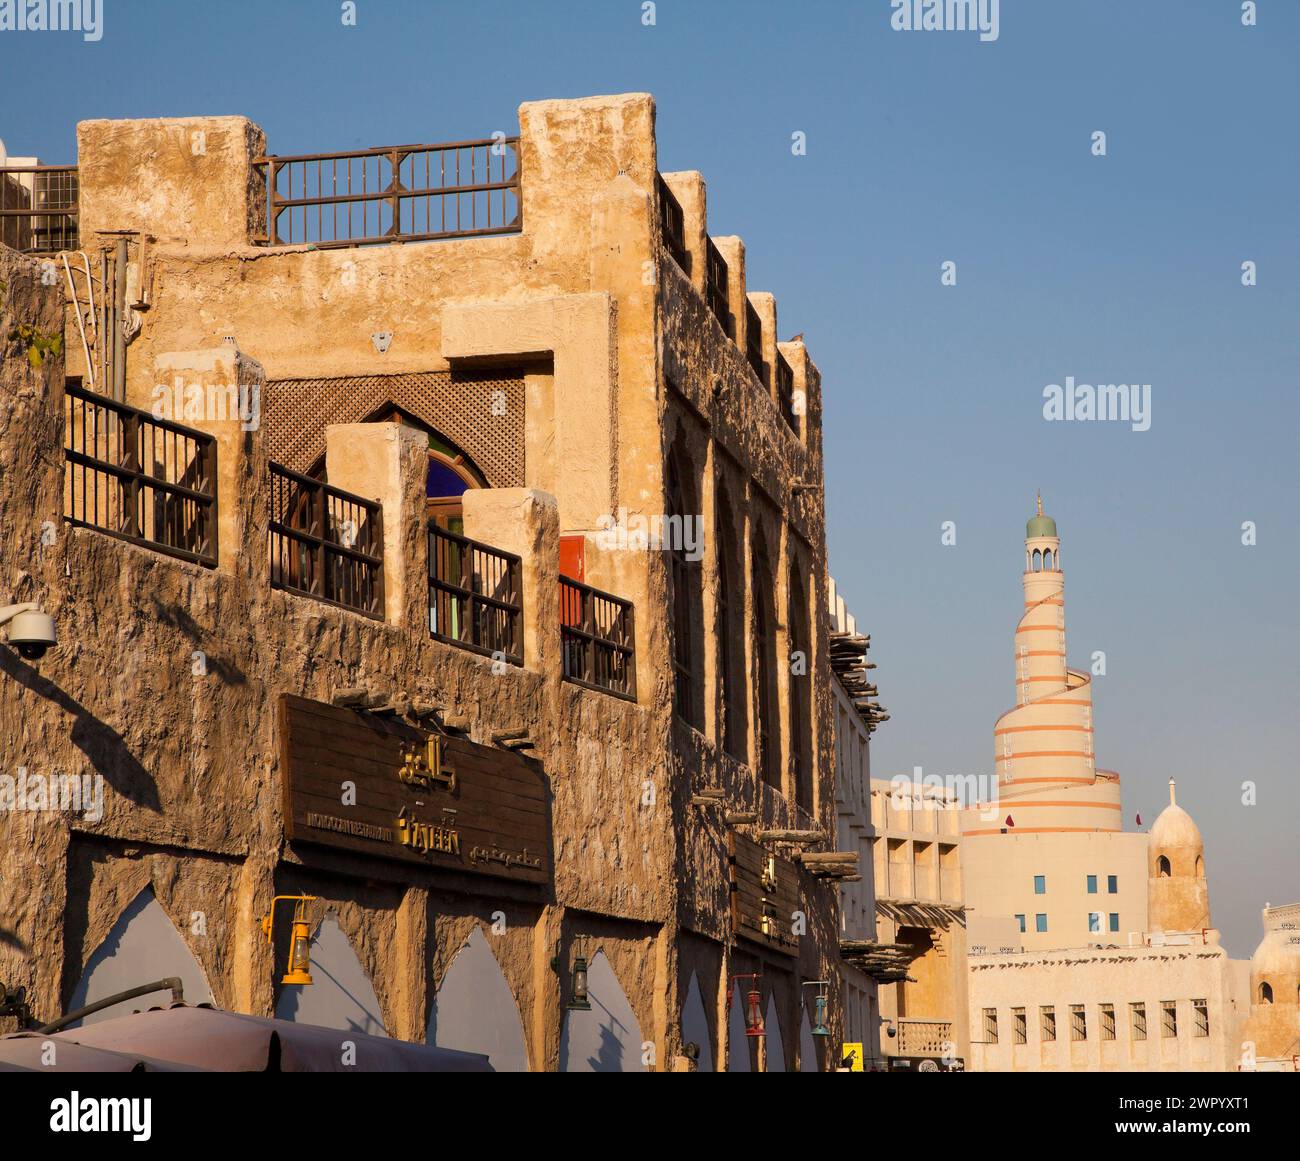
[1048, 781]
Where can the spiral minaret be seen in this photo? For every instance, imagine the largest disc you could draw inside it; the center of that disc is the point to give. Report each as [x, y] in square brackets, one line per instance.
[1047, 775]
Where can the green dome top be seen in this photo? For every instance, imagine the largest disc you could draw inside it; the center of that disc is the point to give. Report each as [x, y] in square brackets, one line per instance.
[1040, 525]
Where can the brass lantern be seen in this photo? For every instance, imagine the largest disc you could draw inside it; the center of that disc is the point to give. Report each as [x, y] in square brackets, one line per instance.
[299, 965]
[753, 1005]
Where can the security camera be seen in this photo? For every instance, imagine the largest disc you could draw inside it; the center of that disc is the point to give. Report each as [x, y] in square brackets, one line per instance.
[31, 631]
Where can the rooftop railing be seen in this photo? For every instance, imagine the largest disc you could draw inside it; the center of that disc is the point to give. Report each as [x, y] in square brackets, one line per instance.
[142, 479]
[475, 596]
[598, 635]
[405, 193]
[38, 208]
[326, 543]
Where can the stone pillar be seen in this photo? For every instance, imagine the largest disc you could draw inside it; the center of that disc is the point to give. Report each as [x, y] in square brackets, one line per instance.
[388, 462]
[525, 522]
[689, 188]
[219, 391]
[733, 254]
[764, 305]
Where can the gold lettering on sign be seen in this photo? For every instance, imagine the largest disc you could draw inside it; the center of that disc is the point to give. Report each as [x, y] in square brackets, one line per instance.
[427, 837]
[769, 875]
[423, 768]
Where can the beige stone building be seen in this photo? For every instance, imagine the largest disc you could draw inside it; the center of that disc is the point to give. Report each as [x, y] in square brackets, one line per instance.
[436, 532]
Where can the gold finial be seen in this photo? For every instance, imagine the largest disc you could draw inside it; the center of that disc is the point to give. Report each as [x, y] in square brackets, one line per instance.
[1040, 501]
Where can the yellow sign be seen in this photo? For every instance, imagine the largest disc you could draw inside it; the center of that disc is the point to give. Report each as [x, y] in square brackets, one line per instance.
[851, 1057]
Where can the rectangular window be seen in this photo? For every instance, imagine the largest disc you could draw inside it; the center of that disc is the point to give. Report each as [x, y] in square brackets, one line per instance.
[990, 1025]
[1048, 1014]
[1092, 884]
[1169, 1019]
[1201, 1010]
[1078, 1022]
[1094, 920]
[1019, 1026]
[1021, 920]
[1112, 884]
[1040, 884]
[1114, 921]
[1139, 1013]
[1108, 1021]
[1040, 922]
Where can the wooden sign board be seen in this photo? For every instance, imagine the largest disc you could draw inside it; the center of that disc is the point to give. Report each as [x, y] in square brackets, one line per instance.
[379, 786]
[764, 895]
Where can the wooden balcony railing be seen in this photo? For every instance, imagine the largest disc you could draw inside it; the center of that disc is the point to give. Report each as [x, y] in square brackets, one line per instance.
[716, 289]
[924, 1038]
[142, 479]
[475, 596]
[672, 226]
[326, 543]
[598, 636]
[754, 343]
[785, 392]
[38, 208]
[405, 193]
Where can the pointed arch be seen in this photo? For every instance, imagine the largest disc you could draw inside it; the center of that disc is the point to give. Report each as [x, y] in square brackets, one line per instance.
[807, 1045]
[475, 1010]
[1200, 866]
[767, 740]
[695, 1025]
[142, 946]
[737, 1041]
[687, 597]
[1265, 992]
[732, 724]
[607, 1038]
[1163, 869]
[342, 996]
[775, 1044]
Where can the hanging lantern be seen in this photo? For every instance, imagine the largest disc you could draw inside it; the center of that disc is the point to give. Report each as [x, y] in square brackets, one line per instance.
[580, 1001]
[821, 1007]
[754, 1004]
[298, 969]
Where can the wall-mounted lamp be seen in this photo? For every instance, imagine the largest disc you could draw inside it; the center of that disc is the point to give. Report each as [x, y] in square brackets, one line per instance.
[753, 1004]
[821, 1004]
[299, 965]
[579, 1001]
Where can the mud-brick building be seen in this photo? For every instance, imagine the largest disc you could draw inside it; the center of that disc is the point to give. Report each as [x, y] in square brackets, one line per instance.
[436, 532]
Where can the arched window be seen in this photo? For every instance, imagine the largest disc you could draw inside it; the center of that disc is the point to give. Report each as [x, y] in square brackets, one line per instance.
[800, 690]
[767, 740]
[730, 631]
[1038, 560]
[1047, 560]
[1162, 866]
[1265, 993]
[685, 595]
[1200, 867]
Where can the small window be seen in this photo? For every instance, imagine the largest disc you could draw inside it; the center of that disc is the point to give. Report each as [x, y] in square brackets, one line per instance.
[1078, 1022]
[1201, 1012]
[1265, 993]
[1108, 1021]
[1094, 920]
[1040, 922]
[1048, 1015]
[990, 1025]
[1040, 884]
[1021, 920]
[1114, 921]
[1019, 1026]
[1139, 1014]
[1162, 866]
[1112, 884]
[1092, 884]
[1169, 1019]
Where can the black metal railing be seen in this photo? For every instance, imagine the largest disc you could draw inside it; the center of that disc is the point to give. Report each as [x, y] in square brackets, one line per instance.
[716, 289]
[38, 208]
[754, 342]
[405, 193]
[598, 639]
[785, 392]
[326, 543]
[475, 596]
[672, 225]
[139, 478]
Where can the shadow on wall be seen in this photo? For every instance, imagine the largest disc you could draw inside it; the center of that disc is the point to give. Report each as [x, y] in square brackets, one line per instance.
[608, 1038]
[341, 997]
[475, 1011]
[142, 946]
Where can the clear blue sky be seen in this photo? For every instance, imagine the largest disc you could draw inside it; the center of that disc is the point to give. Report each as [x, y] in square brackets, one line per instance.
[922, 147]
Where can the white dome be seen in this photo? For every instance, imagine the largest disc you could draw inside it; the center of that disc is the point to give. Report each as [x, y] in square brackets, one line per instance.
[1175, 828]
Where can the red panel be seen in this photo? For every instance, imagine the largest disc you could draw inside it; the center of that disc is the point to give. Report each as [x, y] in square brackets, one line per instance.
[572, 557]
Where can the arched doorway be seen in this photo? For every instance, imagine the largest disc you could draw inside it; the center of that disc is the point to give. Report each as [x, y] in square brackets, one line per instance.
[475, 1010]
